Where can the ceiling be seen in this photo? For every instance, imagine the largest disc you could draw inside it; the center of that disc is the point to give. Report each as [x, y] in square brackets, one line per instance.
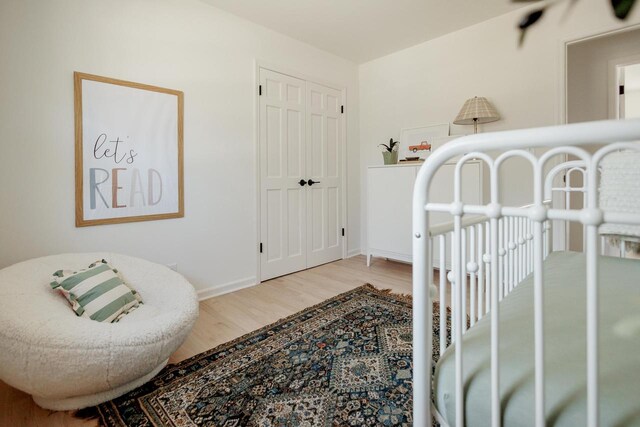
[362, 30]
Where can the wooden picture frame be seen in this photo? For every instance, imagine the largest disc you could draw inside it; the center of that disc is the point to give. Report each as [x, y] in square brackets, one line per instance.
[118, 124]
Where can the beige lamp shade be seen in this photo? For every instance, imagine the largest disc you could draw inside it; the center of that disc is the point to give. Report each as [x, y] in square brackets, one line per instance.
[476, 110]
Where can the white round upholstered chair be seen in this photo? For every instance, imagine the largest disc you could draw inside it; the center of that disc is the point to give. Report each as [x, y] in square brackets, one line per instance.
[68, 362]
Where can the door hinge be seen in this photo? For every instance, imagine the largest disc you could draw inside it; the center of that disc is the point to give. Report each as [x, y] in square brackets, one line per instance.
[621, 90]
[260, 247]
[342, 109]
[343, 232]
[259, 90]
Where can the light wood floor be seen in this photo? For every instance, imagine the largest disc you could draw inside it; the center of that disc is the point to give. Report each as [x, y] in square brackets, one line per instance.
[232, 315]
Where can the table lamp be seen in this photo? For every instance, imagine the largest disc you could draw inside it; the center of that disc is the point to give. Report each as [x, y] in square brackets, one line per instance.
[476, 110]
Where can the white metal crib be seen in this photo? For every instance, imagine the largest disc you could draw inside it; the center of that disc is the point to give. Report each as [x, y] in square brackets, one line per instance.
[493, 247]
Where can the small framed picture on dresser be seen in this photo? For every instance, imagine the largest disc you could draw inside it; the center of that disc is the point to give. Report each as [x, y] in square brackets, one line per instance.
[419, 142]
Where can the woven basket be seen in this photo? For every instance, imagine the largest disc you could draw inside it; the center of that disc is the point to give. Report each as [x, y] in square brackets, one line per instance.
[620, 192]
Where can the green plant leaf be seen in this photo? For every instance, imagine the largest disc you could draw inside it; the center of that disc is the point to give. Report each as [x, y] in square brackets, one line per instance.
[531, 18]
[527, 21]
[391, 145]
[621, 8]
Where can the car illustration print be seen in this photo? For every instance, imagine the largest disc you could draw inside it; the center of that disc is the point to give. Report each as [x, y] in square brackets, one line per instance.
[424, 145]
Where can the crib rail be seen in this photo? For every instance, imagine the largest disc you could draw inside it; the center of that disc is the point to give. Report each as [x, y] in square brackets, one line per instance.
[493, 247]
[515, 252]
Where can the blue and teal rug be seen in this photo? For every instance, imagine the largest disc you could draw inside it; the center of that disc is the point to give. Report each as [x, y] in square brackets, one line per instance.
[344, 362]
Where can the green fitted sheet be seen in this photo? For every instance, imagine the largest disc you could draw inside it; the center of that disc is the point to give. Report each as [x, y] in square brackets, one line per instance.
[565, 350]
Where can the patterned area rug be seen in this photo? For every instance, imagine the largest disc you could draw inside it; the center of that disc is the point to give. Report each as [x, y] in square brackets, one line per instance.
[344, 362]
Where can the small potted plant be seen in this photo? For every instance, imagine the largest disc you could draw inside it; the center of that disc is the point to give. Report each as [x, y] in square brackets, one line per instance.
[390, 152]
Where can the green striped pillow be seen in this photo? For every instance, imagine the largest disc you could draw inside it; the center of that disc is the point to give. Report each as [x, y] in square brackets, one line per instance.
[98, 292]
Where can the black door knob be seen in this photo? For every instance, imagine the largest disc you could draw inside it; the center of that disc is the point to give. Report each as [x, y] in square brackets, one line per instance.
[302, 182]
[311, 182]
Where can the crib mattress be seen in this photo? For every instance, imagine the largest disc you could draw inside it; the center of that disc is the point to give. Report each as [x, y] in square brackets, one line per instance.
[565, 344]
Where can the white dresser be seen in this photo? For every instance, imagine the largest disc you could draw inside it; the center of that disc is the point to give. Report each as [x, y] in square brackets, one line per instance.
[390, 194]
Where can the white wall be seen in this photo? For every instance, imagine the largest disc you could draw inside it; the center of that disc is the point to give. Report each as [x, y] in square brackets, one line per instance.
[632, 90]
[428, 83]
[179, 44]
[632, 104]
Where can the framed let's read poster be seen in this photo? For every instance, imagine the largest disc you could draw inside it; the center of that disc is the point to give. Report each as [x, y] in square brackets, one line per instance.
[129, 162]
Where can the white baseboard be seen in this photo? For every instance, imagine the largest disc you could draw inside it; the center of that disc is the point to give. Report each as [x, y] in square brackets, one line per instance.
[406, 258]
[225, 288]
[354, 252]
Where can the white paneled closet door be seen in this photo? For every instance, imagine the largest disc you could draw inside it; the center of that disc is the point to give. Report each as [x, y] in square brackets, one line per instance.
[282, 166]
[300, 125]
[324, 166]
